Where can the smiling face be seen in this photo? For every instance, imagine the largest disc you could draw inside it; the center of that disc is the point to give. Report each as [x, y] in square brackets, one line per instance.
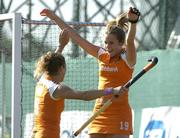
[112, 45]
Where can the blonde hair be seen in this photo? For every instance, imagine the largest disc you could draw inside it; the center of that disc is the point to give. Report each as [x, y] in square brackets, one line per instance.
[50, 63]
[118, 27]
[120, 21]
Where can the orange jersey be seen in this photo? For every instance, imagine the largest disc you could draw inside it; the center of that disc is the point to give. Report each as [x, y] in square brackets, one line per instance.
[117, 118]
[47, 110]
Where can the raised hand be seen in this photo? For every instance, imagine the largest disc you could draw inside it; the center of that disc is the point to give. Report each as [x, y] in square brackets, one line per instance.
[64, 38]
[117, 91]
[133, 15]
[48, 13]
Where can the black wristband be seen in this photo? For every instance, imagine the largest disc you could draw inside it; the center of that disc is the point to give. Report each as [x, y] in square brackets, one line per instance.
[133, 21]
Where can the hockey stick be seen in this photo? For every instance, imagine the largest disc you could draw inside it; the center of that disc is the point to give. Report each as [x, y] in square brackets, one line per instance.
[152, 62]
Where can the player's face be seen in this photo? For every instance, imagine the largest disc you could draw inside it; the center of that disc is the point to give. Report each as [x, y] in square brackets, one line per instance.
[112, 45]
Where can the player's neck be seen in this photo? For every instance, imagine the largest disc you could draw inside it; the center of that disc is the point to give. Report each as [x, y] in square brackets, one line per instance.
[56, 79]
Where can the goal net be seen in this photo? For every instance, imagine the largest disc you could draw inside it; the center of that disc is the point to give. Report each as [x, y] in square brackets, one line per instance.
[22, 44]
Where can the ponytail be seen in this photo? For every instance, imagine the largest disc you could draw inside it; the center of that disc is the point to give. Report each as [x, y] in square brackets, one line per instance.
[118, 27]
[39, 67]
[120, 21]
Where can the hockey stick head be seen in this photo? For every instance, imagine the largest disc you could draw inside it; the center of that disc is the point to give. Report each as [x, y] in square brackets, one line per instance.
[152, 62]
[153, 59]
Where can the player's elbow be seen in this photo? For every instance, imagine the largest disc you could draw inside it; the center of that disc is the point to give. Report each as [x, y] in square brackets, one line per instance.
[86, 96]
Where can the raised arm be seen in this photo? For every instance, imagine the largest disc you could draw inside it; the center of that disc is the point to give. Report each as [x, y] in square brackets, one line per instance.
[133, 16]
[63, 41]
[83, 43]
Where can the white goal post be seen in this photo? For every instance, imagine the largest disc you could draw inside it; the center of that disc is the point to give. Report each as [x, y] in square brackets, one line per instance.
[22, 83]
[16, 73]
[18, 112]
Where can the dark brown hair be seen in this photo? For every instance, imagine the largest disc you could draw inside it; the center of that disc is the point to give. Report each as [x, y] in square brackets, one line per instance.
[50, 63]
